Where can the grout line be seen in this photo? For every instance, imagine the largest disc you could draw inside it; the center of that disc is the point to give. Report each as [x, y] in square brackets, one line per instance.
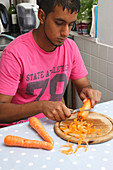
[103, 44]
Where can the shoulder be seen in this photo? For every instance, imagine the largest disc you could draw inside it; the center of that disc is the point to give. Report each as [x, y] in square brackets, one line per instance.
[69, 43]
[16, 51]
[70, 46]
[19, 42]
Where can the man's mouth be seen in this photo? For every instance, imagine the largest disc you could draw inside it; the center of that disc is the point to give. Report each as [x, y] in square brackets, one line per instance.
[61, 40]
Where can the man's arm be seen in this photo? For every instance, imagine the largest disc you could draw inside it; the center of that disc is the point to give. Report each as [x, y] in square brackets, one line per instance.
[10, 112]
[85, 91]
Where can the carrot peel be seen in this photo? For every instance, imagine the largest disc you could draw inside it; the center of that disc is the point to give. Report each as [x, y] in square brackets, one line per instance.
[79, 130]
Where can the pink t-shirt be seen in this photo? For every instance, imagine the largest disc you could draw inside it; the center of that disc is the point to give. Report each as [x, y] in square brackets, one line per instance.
[30, 74]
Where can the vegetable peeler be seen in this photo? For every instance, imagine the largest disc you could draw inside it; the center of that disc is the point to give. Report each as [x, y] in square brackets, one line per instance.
[78, 110]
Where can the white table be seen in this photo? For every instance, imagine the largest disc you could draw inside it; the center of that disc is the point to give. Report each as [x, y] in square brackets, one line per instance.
[97, 157]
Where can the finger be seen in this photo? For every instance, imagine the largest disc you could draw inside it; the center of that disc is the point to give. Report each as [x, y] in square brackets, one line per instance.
[83, 96]
[63, 111]
[56, 115]
[84, 100]
[62, 115]
[57, 118]
[67, 112]
[51, 117]
[97, 96]
[92, 103]
[90, 93]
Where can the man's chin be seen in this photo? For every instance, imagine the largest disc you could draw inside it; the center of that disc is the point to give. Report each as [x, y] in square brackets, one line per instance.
[59, 44]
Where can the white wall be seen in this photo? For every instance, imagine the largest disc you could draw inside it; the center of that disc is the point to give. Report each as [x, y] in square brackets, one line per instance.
[5, 2]
[98, 59]
[105, 22]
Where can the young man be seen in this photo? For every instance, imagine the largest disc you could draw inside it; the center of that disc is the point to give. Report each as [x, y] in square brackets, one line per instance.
[35, 67]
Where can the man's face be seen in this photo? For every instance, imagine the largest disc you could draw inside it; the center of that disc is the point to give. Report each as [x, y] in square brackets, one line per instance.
[58, 24]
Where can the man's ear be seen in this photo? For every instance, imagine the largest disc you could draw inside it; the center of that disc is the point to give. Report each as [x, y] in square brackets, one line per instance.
[41, 16]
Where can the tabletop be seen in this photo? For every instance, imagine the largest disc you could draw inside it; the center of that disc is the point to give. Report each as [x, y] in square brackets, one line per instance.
[97, 156]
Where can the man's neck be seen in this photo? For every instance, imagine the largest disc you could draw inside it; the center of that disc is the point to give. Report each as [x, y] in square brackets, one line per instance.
[42, 41]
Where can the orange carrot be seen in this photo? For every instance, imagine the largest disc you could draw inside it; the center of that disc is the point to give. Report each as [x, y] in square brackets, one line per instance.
[27, 143]
[79, 130]
[37, 125]
[83, 114]
[69, 151]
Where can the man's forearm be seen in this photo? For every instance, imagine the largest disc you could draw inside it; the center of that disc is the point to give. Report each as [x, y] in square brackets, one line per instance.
[10, 112]
[81, 83]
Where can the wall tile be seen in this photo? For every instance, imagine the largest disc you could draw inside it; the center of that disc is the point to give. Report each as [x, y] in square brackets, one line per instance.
[94, 49]
[80, 43]
[103, 52]
[110, 69]
[109, 95]
[104, 93]
[94, 85]
[103, 66]
[76, 39]
[95, 63]
[110, 55]
[87, 59]
[110, 83]
[94, 76]
[102, 80]
[87, 46]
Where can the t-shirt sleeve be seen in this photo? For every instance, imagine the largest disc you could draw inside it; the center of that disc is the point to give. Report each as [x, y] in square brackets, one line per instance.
[78, 69]
[10, 71]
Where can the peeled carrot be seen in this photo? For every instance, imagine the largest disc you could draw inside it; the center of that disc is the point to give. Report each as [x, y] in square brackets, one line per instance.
[27, 143]
[82, 115]
[37, 125]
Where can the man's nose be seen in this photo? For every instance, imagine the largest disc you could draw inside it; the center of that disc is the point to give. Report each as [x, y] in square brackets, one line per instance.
[65, 31]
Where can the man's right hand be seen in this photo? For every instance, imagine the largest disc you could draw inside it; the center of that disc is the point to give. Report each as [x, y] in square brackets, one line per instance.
[55, 110]
[10, 112]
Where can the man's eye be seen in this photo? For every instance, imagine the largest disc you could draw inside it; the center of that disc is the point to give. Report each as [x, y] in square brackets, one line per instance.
[70, 25]
[59, 23]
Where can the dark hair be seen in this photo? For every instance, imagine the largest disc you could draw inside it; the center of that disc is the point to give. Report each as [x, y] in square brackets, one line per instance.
[49, 5]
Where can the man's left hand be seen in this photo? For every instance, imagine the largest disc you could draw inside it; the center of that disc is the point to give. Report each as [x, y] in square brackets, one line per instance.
[93, 94]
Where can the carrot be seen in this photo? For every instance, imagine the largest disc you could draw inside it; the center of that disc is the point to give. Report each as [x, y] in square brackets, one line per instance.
[37, 125]
[69, 151]
[27, 143]
[79, 130]
[83, 114]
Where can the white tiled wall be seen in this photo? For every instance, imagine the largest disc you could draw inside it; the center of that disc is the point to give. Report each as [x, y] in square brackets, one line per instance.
[99, 63]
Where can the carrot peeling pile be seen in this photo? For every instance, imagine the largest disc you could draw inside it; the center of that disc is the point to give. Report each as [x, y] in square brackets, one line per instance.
[11, 140]
[79, 130]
